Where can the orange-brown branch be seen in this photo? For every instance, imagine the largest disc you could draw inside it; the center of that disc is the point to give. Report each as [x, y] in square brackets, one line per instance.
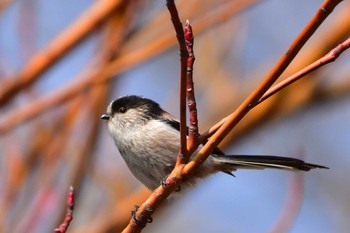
[42, 61]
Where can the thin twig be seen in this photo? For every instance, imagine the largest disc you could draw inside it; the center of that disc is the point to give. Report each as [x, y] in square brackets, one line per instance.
[191, 100]
[328, 58]
[183, 60]
[69, 215]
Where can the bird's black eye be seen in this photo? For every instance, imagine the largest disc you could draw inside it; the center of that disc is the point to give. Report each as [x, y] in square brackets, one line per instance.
[122, 110]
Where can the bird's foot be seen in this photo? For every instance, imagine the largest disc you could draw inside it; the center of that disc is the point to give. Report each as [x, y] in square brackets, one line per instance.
[140, 222]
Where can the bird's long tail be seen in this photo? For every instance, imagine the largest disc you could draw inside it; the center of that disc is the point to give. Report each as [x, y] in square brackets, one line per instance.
[229, 163]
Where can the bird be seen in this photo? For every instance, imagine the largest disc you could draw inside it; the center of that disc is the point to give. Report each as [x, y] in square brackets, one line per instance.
[148, 139]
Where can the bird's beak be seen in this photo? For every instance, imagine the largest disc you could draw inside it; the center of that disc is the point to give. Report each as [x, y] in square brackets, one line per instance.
[105, 117]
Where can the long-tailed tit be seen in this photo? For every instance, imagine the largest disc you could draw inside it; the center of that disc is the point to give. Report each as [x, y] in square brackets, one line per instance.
[148, 139]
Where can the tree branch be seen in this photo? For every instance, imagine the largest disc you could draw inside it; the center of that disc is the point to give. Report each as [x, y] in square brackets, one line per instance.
[69, 215]
[111, 70]
[328, 58]
[183, 60]
[191, 100]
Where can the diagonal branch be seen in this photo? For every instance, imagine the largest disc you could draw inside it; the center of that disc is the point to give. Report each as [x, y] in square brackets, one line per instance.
[123, 62]
[69, 38]
[328, 58]
[325, 9]
[228, 123]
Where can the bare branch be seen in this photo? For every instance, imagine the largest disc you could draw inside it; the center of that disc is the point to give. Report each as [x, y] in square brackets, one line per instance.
[183, 60]
[191, 100]
[69, 215]
[328, 58]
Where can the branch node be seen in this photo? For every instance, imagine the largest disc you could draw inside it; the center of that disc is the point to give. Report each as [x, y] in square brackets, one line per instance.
[149, 208]
[165, 182]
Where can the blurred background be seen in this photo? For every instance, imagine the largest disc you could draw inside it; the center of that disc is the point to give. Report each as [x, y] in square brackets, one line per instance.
[62, 62]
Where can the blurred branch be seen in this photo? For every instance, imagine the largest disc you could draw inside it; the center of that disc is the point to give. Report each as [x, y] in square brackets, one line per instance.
[95, 99]
[43, 60]
[83, 123]
[4, 4]
[292, 206]
[125, 60]
[116, 31]
[118, 217]
[44, 144]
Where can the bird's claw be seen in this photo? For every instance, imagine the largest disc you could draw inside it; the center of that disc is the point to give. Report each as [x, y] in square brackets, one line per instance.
[140, 222]
[164, 182]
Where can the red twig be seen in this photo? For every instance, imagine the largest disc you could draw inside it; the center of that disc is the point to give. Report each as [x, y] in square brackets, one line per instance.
[328, 58]
[69, 215]
[183, 59]
[191, 100]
